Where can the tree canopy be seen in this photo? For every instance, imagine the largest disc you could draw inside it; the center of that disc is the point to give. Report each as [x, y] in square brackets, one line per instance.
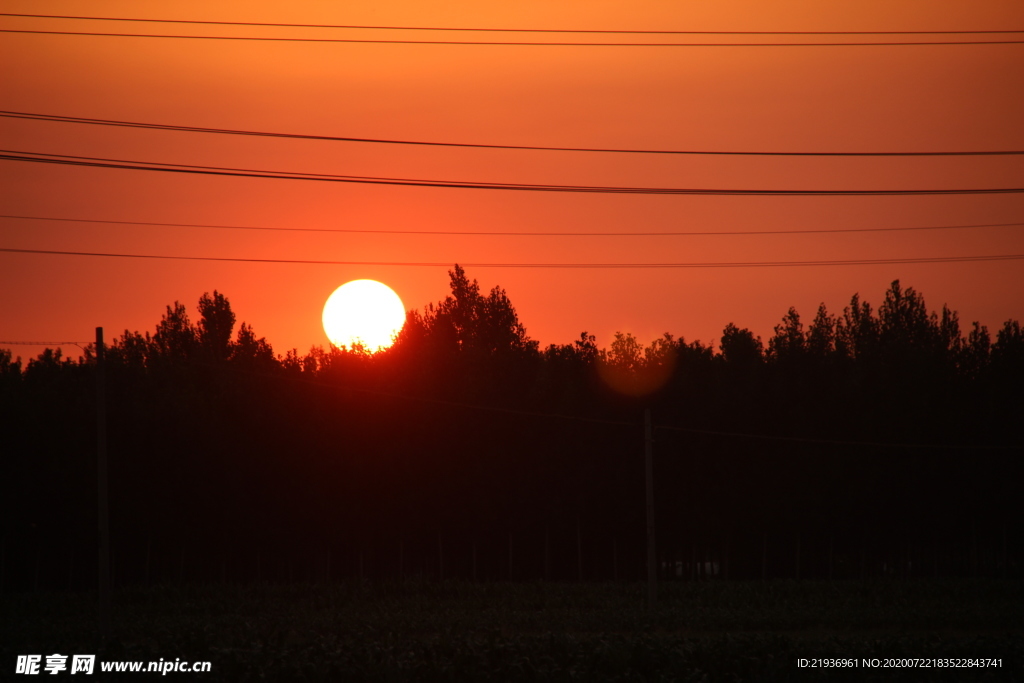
[466, 429]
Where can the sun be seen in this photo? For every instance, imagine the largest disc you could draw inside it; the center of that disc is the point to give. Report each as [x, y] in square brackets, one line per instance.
[363, 312]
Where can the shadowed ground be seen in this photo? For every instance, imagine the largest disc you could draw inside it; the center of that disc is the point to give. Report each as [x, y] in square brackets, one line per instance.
[460, 631]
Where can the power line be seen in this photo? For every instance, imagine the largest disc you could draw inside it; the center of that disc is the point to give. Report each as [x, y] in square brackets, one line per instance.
[518, 234]
[98, 162]
[505, 43]
[43, 343]
[835, 442]
[498, 30]
[53, 118]
[747, 264]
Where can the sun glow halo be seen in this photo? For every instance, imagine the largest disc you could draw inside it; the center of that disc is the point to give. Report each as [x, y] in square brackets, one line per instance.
[363, 312]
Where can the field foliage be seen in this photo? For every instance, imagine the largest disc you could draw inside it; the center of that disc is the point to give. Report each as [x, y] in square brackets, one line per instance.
[460, 631]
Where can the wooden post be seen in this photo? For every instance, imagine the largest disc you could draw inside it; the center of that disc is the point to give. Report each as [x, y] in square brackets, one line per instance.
[474, 561]
[510, 555]
[1006, 560]
[830, 554]
[102, 489]
[652, 576]
[798, 557]
[863, 553]
[764, 556]
[440, 558]
[579, 551]
[974, 550]
[547, 553]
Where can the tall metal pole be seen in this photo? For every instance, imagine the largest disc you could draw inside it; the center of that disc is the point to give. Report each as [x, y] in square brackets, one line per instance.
[652, 567]
[101, 480]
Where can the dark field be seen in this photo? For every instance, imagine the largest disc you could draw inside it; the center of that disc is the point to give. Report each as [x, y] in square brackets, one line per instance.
[461, 631]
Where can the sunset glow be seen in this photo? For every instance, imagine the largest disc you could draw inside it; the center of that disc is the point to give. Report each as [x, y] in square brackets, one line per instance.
[720, 99]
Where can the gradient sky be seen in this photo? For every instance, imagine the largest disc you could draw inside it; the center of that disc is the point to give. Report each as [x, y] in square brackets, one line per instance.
[810, 99]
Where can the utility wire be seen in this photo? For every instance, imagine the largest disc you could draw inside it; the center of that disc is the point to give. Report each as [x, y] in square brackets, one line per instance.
[42, 343]
[506, 43]
[497, 30]
[517, 234]
[53, 118]
[836, 442]
[748, 264]
[122, 164]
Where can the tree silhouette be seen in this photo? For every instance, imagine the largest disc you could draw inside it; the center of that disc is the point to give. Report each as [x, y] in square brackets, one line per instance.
[625, 355]
[252, 352]
[821, 334]
[468, 322]
[459, 430]
[857, 331]
[740, 348]
[1008, 351]
[216, 324]
[789, 343]
[10, 370]
[975, 351]
[175, 338]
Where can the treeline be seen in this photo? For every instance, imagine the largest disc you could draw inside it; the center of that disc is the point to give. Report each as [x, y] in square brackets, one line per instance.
[865, 442]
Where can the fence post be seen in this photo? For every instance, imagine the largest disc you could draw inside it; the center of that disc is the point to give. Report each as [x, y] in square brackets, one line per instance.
[102, 490]
[652, 569]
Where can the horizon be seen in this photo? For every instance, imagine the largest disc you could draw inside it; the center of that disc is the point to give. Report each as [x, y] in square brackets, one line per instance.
[713, 343]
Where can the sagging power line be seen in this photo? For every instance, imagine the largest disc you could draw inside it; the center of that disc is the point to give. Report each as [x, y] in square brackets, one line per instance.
[499, 30]
[747, 264]
[123, 164]
[494, 233]
[79, 344]
[55, 118]
[271, 39]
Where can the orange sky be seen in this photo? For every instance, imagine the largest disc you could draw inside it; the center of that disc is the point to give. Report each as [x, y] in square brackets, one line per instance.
[714, 98]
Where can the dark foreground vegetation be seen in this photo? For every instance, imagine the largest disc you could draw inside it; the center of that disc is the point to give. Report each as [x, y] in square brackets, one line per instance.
[869, 443]
[500, 631]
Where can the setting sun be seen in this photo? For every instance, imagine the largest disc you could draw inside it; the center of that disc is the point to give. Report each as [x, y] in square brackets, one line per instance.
[363, 312]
